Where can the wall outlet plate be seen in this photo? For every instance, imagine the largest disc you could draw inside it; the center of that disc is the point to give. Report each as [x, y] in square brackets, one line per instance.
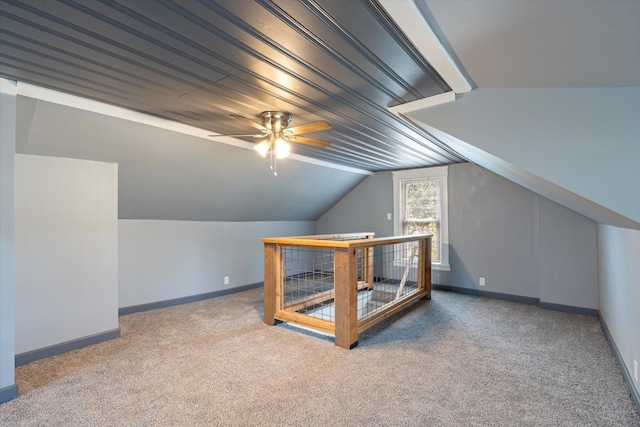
[482, 281]
[226, 280]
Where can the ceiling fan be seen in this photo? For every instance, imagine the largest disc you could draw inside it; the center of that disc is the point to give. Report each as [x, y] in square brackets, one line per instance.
[277, 134]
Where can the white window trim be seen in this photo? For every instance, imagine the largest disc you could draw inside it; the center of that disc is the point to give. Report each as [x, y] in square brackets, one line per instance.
[441, 172]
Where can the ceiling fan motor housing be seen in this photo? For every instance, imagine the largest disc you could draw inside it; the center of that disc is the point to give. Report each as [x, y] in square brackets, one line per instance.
[275, 120]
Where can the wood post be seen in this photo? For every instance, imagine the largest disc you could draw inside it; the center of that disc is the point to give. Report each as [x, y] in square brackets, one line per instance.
[367, 266]
[271, 267]
[367, 260]
[346, 297]
[424, 266]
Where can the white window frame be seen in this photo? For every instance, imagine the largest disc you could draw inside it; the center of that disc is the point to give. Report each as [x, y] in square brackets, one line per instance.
[441, 172]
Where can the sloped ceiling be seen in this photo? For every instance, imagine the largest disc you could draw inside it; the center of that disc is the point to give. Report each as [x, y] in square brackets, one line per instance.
[557, 98]
[166, 175]
[542, 44]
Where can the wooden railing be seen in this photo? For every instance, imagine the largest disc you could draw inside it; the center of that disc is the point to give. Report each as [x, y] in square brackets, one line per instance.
[349, 274]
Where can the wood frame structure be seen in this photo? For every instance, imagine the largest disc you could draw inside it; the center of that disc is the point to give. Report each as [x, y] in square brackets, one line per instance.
[346, 326]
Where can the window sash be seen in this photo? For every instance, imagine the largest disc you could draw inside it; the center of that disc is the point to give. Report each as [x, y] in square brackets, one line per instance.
[438, 226]
[432, 224]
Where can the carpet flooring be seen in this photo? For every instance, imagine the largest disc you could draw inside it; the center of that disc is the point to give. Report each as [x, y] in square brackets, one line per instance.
[455, 360]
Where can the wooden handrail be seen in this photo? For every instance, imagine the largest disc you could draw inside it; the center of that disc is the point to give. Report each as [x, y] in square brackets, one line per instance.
[308, 241]
[334, 236]
[379, 241]
[287, 241]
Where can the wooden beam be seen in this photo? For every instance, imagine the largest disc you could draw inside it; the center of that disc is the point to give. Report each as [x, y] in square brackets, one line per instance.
[307, 321]
[424, 267]
[367, 266]
[309, 301]
[346, 297]
[397, 306]
[318, 298]
[271, 266]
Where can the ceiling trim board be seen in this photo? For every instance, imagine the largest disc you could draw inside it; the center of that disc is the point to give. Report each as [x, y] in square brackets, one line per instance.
[8, 87]
[48, 95]
[411, 21]
[403, 111]
[382, 16]
[420, 104]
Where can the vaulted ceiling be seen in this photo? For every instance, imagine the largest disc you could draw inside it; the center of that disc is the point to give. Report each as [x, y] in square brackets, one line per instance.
[198, 62]
[347, 62]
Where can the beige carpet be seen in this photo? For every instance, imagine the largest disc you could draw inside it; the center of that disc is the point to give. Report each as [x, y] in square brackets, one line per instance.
[453, 361]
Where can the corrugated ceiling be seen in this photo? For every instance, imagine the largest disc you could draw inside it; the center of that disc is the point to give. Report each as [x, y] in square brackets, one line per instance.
[197, 62]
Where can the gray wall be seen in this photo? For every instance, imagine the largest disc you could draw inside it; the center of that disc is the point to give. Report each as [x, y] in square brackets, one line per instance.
[365, 208]
[164, 260]
[568, 246]
[8, 389]
[619, 252]
[522, 244]
[66, 239]
[492, 233]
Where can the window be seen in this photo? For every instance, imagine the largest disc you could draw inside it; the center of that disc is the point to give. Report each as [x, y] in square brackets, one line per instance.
[420, 206]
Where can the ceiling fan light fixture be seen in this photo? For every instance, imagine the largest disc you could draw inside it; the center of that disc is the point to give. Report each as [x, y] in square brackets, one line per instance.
[263, 148]
[277, 135]
[283, 148]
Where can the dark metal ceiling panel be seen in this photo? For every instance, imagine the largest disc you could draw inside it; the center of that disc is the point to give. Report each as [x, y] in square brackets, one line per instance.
[197, 62]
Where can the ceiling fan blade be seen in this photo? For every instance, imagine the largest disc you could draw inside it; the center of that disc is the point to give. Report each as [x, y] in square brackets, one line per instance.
[308, 141]
[252, 135]
[310, 127]
[251, 123]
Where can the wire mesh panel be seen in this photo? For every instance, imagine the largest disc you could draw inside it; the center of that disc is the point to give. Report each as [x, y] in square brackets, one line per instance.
[394, 277]
[308, 286]
[308, 278]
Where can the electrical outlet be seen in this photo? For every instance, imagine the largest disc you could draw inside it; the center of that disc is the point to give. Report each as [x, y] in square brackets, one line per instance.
[635, 370]
[482, 281]
[226, 280]
[389, 216]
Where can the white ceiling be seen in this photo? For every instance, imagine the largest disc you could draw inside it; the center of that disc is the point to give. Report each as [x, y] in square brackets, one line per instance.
[527, 43]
